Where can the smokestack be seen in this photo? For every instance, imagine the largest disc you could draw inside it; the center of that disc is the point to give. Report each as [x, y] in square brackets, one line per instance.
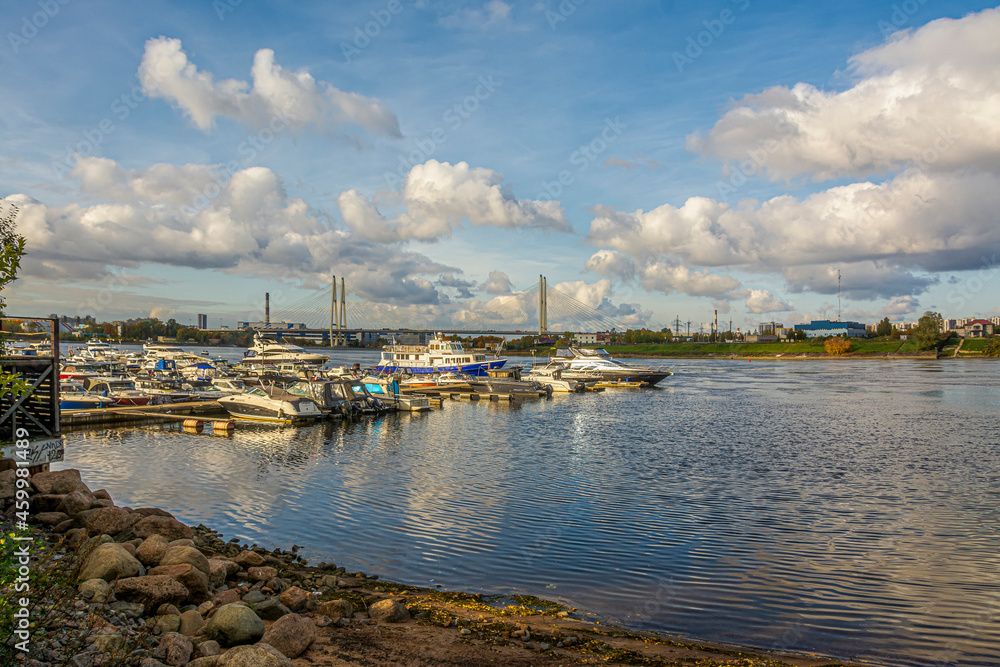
[716, 323]
[267, 307]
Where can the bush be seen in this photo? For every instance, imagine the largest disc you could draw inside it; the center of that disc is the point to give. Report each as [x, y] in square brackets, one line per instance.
[837, 346]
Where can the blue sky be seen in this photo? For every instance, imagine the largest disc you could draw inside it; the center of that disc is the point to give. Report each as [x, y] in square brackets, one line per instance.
[183, 158]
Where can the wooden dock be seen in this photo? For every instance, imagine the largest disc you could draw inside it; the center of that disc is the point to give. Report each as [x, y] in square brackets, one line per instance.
[142, 414]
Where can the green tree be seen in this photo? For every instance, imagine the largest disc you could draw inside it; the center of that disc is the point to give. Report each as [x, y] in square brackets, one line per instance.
[10, 261]
[993, 348]
[884, 328]
[927, 333]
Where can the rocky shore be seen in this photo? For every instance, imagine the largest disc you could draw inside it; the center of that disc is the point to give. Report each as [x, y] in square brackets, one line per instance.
[115, 586]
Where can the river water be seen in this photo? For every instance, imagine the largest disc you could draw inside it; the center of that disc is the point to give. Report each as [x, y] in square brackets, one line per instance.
[850, 508]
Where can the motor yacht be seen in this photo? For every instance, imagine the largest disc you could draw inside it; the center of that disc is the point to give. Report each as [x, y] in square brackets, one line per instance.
[270, 402]
[438, 356]
[598, 361]
[267, 351]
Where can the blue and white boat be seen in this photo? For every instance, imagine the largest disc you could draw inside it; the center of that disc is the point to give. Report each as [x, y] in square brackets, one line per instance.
[438, 356]
[72, 396]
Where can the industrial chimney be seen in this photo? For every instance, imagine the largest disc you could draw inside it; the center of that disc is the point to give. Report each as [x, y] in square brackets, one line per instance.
[267, 307]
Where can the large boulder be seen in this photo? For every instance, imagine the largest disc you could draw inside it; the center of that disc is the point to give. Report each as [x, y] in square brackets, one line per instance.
[291, 634]
[95, 590]
[297, 599]
[193, 579]
[151, 591]
[174, 649]
[76, 502]
[49, 518]
[8, 485]
[191, 622]
[169, 527]
[109, 521]
[248, 559]
[152, 550]
[234, 624]
[46, 502]
[110, 561]
[220, 569]
[389, 610]
[336, 609]
[59, 482]
[186, 555]
[271, 609]
[258, 655]
[151, 511]
[262, 573]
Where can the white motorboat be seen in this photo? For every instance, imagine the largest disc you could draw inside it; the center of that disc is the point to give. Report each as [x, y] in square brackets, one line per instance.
[270, 403]
[551, 375]
[267, 351]
[598, 361]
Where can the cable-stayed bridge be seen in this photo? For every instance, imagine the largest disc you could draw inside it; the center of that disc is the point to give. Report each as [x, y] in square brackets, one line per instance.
[537, 310]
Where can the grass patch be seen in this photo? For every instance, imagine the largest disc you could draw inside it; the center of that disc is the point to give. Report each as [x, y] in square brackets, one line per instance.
[975, 344]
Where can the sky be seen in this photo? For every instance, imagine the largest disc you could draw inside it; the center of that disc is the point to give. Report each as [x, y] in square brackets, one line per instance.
[655, 160]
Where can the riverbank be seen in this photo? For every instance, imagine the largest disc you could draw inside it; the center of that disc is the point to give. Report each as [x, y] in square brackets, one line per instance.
[120, 586]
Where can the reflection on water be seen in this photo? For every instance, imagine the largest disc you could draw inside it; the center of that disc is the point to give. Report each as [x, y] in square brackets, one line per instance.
[846, 507]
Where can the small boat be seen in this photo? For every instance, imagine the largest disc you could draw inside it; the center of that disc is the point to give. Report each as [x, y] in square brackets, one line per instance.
[72, 396]
[551, 375]
[270, 403]
[594, 361]
[438, 356]
[508, 381]
[120, 389]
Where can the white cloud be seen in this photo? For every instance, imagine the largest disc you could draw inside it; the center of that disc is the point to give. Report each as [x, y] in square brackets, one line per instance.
[252, 226]
[276, 96]
[439, 196]
[762, 301]
[498, 283]
[929, 96]
[899, 307]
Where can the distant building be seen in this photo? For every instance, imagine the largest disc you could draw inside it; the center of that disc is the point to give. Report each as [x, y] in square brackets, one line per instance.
[770, 328]
[820, 328]
[271, 326]
[761, 338]
[585, 338]
[949, 325]
[977, 329]
[202, 321]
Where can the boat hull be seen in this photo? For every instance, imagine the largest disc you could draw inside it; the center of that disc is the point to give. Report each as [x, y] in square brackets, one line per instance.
[477, 369]
[84, 404]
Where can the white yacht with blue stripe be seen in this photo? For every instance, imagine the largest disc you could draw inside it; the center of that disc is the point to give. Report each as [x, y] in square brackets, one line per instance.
[438, 356]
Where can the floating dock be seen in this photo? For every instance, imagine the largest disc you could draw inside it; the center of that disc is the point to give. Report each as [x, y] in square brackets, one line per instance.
[143, 414]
